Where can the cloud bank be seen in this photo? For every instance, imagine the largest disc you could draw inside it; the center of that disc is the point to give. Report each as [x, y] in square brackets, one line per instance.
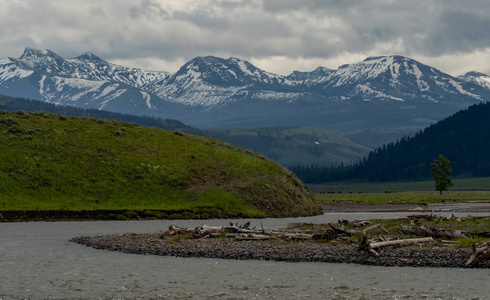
[276, 35]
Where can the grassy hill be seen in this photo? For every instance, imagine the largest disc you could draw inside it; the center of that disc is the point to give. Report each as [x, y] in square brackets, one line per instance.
[55, 162]
[291, 146]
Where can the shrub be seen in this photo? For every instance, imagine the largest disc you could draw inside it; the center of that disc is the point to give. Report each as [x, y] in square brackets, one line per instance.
[175, 217]
[9, 121]
[156, 214]
[211, 213]
[23, 114]
[188, 215]
[121, 217]
[131, 214]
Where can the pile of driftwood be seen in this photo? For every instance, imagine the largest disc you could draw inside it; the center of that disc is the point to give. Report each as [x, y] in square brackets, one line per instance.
[370, 246]
[238, 232]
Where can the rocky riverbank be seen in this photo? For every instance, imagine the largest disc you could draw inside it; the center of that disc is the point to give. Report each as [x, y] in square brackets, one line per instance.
[277, 250]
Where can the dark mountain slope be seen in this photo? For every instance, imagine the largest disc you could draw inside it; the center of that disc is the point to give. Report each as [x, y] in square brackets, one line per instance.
[464, 138]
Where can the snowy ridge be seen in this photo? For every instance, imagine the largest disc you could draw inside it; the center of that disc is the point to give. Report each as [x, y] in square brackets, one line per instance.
[370, 68]
[10, 72]
[85, 81]
[397, 78]
[480, 79]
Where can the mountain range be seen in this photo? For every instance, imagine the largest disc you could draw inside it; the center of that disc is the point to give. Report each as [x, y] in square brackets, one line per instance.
[210, 92]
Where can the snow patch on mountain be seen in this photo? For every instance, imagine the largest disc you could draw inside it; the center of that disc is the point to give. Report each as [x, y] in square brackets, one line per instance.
[147, 99]
[276, 96]
[117, 93]
[422, 85]
[460, 89]
[368, 93]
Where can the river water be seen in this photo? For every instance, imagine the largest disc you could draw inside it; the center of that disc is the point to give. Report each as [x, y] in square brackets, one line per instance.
[37, 261]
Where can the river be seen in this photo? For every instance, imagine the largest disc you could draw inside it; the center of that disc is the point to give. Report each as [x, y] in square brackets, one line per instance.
[37, 261]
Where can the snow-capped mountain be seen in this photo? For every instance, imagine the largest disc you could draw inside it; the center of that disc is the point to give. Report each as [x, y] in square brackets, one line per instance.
[210, 81]
[396, 78]
[379, 92]
[84, 81]
[476, 78]
[86, 66]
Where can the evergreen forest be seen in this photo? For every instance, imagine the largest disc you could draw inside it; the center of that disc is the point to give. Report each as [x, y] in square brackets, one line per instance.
[463, 138]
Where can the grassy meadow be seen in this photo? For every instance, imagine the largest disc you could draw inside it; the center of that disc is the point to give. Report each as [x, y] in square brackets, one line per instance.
[467, 189]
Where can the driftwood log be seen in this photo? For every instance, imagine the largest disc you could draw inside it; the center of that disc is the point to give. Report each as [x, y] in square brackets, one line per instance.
[370, 246]
[479, 255]
[235, 231]
[245, 233]
[441, 233]
[434, 232]
[374, 227]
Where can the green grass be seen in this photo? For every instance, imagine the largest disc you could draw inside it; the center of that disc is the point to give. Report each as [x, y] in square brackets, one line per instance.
[51, 162]
[461, 184]
[467, 189]
[406, 197]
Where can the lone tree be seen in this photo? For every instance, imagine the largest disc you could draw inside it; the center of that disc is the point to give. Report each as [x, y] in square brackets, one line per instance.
[441, 169]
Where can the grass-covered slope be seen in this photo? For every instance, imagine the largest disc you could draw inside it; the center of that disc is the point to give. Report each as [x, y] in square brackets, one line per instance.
[51, 162]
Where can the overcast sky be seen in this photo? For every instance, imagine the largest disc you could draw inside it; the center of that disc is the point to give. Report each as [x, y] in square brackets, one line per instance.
[278, 36]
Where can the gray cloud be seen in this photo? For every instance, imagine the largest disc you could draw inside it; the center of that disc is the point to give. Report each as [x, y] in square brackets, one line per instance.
[266, 31]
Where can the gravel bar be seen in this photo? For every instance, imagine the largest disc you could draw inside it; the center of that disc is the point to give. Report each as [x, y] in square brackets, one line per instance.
[277, 250]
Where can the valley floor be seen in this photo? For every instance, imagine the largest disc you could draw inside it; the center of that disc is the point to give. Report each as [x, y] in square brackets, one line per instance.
[460, 207]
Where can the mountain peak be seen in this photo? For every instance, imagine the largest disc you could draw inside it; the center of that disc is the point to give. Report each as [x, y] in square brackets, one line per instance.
[31, 53]
[475, 73]
[315, 74]
[88, 56]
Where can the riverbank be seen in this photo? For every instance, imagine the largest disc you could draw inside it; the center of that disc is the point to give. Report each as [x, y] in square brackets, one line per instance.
[120, 215]
[214, 213]
[288, 251]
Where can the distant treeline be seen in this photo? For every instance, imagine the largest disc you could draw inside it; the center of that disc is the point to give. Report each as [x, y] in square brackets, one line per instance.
[463, 138]
[13, 104]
